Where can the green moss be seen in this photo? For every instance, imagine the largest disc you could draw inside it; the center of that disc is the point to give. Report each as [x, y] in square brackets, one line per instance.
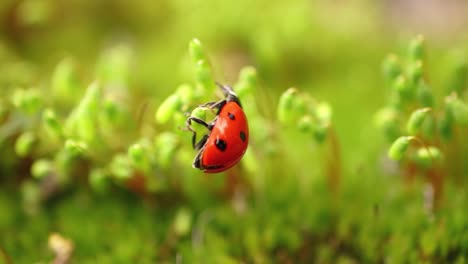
[109, 166]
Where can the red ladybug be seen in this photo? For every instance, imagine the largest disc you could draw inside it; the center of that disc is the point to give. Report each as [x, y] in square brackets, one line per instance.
[228, 136]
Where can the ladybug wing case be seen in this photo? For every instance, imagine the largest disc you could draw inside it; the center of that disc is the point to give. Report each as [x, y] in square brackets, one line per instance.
[227, 142]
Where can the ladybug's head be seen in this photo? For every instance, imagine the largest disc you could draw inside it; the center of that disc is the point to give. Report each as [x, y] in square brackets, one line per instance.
[230, 95]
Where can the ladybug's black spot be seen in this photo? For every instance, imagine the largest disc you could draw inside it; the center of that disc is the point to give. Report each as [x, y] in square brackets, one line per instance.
[242, 136]
[220, 144]
[232, 116]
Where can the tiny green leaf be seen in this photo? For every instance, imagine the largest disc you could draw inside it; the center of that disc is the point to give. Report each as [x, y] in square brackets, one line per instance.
[92, 98]
[402, 86]
[113, 112]
[199, 112]
[446, 124]
[306, 124]
[186, 94]
[41, 168]
[387, 120]
[321, 132]
[399, 147]
[416, 120]
[165, 144]
[324, 112]
[416, 48]
[396, 101]
[167, 108]
[204, 76]
[121, 167]
[99, 180]
[82, 121]
[392, 67]
[75, 148]
[459, 73]
[247, 82]
[52, 123]
[425, 156]
[136, 152]
[65, 81]
[179, 120]
[415, 72]
[424, 95]
[24, 144]
[196, 50]
[300, 105]
[138, 156]
[286, 106]
[459, 110]
[28, 101]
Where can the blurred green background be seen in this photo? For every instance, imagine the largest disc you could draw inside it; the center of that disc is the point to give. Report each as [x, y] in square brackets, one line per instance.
[332, 50]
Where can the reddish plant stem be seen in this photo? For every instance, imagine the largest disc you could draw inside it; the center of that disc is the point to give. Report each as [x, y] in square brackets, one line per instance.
[455, 153]
[5, 256]
[334, 162]
[410, 171]
[437, 183]
[434, 175]
[234, 182]
[231, 181]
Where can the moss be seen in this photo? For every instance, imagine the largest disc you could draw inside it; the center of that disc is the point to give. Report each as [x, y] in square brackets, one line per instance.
[96, 166]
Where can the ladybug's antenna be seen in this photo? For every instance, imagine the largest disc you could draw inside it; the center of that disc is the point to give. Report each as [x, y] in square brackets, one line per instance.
[229, 93]
[226, 90]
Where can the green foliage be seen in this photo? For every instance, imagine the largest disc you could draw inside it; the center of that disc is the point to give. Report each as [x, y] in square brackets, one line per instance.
[52, 124]
[167, 109]
[429, 124]
[41, 168]
[416, 48]
[392, 67]
[99, 180]
[416, 120]
[399, 147]
[108, 165]
[459, 110]
[65, 82]
[427, 156]
[139, 157]
[28, 101]
[82, 122]
[24, 144]
[287, 106]
[304, 112]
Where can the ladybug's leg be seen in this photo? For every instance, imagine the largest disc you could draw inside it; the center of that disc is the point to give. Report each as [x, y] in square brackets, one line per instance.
[214, 105]
[218, 105]
[209, 104]
[197, 162]
[197, 120]
[202, 142]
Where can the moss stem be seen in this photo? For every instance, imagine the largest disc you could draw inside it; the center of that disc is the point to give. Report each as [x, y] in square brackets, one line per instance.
[435, 176]
[334, 162]
[5, 256]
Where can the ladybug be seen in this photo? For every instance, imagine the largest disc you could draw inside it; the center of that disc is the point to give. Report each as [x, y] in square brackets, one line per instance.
[228, 136]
